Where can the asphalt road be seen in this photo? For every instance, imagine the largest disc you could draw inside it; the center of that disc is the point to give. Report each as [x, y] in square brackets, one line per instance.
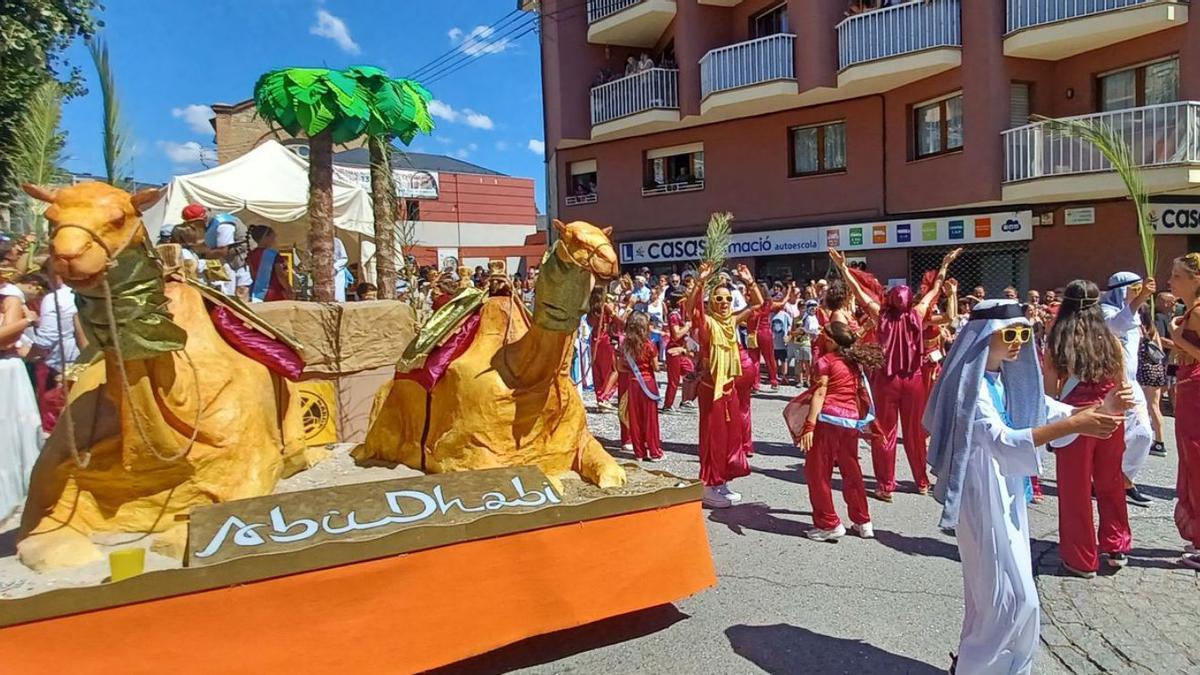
[785, 604]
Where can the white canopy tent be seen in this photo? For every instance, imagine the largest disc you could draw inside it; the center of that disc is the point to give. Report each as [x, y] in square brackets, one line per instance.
[267, 185]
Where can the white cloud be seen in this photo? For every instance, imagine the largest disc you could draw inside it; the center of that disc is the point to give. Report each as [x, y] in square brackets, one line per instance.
[196, 116]
[444, 140]
[477, 120]
[502, 145]
[189, 152]
[443, 111]
[479, 41]
[462, 153]
[471, 118]
[332, 27]
[537, 147]
[472, 147]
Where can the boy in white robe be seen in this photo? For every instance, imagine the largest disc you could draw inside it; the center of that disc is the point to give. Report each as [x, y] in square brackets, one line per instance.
[987, 416]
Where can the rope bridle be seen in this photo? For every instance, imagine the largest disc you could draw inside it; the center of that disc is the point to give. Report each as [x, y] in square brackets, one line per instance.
[82, 460]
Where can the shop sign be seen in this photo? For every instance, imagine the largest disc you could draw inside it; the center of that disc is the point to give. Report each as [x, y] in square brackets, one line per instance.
[985, 227]
[1082, 216]
[409, 184]
[745, 245]
[1175, 218]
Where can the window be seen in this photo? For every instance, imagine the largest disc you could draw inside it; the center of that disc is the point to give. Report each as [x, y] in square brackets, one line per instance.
[1149, 84]
[818, 149]
[939, 126]
[1018, 104]
[582, 187]
[771, 22]
[412, 209]
[678, 168]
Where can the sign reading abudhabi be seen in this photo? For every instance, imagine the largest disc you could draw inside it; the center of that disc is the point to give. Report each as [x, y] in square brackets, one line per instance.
[941, 231]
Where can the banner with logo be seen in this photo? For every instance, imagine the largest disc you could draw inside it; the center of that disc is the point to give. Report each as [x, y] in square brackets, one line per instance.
[913, 232]
[1175, 218]
[409, 184]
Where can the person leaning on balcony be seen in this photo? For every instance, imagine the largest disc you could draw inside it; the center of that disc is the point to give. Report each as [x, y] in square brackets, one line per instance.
[644, 62]
[631, 65]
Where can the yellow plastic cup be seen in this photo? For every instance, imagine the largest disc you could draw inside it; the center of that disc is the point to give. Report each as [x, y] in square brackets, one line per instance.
[126, 563]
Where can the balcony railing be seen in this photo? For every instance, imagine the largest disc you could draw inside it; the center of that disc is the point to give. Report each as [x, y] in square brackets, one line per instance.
[1157, 135]
[746, 63]
[898, 30]
[1029, 13]
[668, 188]
[600, 9]
[576, 200]
[655, 88]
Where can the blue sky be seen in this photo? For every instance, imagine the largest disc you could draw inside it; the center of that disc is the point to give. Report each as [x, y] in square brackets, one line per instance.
[172, 59]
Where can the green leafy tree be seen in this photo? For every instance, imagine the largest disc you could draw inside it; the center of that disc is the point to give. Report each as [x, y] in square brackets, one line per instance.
[398, 109]
[328, 107]
[37, 154]
[33, 36]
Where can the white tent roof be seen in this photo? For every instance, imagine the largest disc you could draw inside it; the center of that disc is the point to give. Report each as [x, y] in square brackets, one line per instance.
[270, 182]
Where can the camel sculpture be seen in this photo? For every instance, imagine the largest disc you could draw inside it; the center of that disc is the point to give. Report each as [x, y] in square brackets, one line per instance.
[191, 420]
[506, 397]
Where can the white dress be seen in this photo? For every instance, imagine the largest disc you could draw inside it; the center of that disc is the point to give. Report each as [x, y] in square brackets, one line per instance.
[1001, 618]
[20, 427]
[1139, 435]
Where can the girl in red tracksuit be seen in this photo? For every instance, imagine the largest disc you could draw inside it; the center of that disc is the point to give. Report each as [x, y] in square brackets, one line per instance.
[829, 426]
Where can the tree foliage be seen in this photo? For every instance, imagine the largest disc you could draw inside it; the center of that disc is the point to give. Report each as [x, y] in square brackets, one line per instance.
[116, 135]
[33, 36]
[37, 153]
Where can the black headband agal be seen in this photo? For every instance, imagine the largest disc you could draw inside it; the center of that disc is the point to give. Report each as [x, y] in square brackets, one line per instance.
[998, 312]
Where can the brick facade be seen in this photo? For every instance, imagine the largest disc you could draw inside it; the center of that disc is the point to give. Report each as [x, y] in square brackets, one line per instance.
[239, 130]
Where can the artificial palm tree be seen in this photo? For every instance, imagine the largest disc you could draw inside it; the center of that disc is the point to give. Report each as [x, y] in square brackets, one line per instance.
[399, 109]
[328, 107]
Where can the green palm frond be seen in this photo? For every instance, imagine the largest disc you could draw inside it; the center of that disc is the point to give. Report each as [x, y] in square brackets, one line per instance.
[37, 153]
[1118, 153]
[717, 239]
[310, 101]
[398, 108]
[116, 135]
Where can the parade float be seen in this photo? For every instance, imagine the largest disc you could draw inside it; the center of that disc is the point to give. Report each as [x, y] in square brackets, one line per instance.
[479, 511]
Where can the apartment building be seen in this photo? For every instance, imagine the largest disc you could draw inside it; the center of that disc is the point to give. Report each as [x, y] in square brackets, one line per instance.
[894, 133]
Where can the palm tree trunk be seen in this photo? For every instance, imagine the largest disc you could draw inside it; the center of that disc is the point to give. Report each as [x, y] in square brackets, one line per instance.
[320, 214]
[383, 200]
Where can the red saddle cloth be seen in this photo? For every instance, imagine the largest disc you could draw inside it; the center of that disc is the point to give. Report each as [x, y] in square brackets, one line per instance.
[276, 356]
[441, 357]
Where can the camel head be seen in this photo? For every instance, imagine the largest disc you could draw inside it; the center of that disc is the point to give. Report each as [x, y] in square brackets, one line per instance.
[587, 246]
[90, 223]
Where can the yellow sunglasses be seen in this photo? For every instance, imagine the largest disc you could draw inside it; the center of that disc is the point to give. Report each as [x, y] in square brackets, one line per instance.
[1136, 288]
[1014, 336]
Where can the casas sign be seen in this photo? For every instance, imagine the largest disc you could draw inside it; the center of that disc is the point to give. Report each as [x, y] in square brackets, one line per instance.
[1175, 218]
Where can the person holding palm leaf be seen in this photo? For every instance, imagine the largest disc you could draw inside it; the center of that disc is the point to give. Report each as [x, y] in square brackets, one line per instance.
[723, 432]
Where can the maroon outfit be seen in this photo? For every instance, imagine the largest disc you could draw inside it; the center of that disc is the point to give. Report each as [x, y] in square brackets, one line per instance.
[760, 325]
[604, 357]
[723, 432]
[678, 365]
[1187, 438]
[745, 387]
[835, 444]
[641, 411]
[1087, 465]
[900, 394]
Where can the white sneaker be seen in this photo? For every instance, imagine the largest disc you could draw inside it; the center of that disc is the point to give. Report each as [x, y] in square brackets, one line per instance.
[687, 404]
[628, 447]
[604, 406]
[1192, 561]
[866, 531]
[728, 492]
[817, 534]
[715, 499]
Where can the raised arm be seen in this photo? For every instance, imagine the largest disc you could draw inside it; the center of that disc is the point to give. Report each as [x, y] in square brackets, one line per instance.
[742, 273]
[927, 299]
[868, 303]
[694, 305]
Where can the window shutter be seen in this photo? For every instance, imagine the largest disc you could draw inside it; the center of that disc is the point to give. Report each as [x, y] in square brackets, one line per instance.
[1018, 105]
